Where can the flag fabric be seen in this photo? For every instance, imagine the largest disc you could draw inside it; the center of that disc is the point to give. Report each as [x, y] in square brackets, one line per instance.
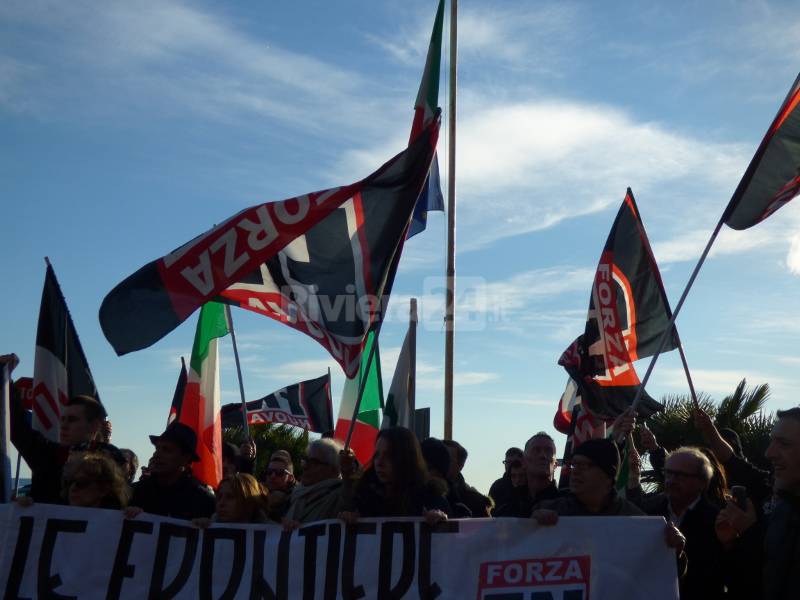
[583, 426]
[322, 263]
[200, 407]
[772, 178]
[397, 412]
[177, 397]
[628, 313]
[306, 404]
[369, 413]
[424, 111]
[60, 368]
[5, 433]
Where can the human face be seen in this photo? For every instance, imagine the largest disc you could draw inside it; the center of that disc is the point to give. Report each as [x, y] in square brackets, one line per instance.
[316, 469]
[75, 427]
[86, 492]
[784, 454]
[277, 476]
[540, 457]
[382, 462]
[683, 480]
[168, 459]
[518, 475]
[510, 458]
[230, 508]
[586, 479]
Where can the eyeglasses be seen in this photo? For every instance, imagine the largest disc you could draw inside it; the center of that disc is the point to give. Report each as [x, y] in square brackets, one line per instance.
[679, 474]
[311, 461]
[276, 472]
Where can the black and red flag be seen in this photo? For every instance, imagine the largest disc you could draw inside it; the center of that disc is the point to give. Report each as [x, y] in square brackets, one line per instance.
[772, 178]
[628, 313]
[177, 397]
[306, 404]
[60, 368]
[322, 263]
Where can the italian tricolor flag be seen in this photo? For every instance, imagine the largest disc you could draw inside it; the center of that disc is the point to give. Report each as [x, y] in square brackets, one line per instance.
[368, 420]
[201, 401]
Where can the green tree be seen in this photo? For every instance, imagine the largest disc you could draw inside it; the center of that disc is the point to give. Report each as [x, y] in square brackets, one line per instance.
[268, 438]
[742, 411]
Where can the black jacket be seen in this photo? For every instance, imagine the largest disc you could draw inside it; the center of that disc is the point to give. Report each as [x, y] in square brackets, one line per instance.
[461, 493]
[520, 503]
[782, 550]
[705, 576]
[45, 457]
[501, 490]
[370, 499]
[569, 506]
[185, 499]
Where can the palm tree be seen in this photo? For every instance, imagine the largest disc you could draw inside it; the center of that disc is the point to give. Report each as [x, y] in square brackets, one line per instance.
[268, 438]
[742, 411]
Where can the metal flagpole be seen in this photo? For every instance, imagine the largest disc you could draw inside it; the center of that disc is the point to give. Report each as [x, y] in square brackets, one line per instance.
[688, 375]
[238, 371]
[449, 318]
[412, 364]
[668, 329]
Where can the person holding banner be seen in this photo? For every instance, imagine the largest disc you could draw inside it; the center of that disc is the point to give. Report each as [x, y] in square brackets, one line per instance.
[397, 483]
[240, 498]
[170, 490]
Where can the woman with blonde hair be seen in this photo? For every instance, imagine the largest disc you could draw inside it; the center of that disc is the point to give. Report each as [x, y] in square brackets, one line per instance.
[94, 480]
[240, 498]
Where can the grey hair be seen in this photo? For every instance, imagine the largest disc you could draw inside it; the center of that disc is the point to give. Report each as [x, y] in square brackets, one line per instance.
[706, 470]
[329, 448]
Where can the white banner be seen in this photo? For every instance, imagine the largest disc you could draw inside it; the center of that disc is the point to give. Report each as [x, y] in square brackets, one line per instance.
[64, 552]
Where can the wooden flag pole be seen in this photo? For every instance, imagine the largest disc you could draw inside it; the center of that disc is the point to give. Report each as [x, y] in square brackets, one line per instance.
[449, 317]
[361, 384]
[412, 363]
[238, 372]
[668, 329]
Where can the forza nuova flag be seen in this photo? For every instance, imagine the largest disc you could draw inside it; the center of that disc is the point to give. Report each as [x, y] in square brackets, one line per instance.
[322, 263]
[424, 111]
[628, 313]
[306, 404]
[772, 178]
[365, 429]
[201, 402]
[60, 368]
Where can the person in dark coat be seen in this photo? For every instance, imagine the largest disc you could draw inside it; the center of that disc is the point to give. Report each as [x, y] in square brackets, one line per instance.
[688, 474]
[770, 545]
[502, 489]
[540, 467]
[81, 423]
[460, 491]
[170, 490]
[397, 483]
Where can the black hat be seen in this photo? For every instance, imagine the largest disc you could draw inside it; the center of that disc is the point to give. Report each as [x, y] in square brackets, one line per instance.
[180, 434]
[603, 453]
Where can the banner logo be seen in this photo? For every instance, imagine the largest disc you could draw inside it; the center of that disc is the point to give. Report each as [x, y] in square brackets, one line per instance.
[556, 578]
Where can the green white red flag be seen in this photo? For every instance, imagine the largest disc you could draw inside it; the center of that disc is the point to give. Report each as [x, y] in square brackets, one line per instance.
[200, 408]
[368, 418]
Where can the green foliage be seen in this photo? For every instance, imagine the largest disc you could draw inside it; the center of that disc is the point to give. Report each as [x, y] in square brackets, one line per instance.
[742, 411]
[268, 438]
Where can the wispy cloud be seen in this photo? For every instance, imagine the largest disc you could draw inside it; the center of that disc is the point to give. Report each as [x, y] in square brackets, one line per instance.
[718, 382]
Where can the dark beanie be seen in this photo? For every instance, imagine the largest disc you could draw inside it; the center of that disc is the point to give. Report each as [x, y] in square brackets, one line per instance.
[436, 455]
[603, 453]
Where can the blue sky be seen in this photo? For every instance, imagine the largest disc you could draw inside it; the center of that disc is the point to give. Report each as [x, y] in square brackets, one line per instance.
[129, 128]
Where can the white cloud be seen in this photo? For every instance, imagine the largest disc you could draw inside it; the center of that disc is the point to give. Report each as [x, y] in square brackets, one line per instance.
[295, 370]
[717, 382]
[461, 379]
[793, 257]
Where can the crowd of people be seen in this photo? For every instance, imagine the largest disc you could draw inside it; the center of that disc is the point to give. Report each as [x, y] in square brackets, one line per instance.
[735, 528]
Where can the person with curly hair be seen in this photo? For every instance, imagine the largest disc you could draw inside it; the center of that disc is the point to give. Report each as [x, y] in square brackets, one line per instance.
[94, 480]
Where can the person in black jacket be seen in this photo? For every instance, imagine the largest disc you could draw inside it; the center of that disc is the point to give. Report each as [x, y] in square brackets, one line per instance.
[502, 489]
[460, 491]
[769, 545]
[81, 423]
[688, 473]
[540, 467]
[397, 483]
[170, 490]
